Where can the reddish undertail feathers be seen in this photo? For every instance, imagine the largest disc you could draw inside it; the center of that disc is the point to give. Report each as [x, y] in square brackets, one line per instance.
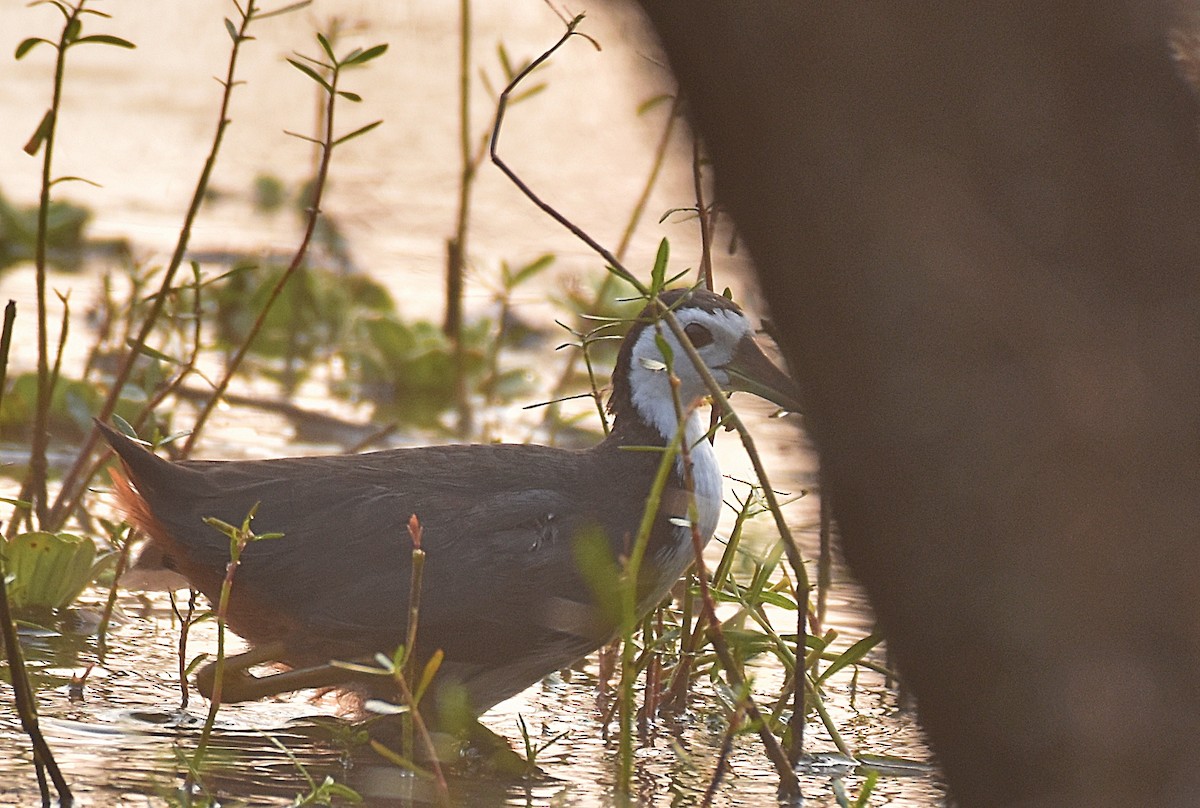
[131, 505]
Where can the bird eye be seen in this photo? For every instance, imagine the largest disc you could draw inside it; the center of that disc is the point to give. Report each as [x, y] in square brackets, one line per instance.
[698, 334]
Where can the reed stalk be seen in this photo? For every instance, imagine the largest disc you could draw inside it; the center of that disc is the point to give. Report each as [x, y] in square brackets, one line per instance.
[416, 577]
[705, 217]
[185, 626]
[23, 693]
[48, 130]
[789, 785]
[239, 537]
[418, 723]
[456, 246]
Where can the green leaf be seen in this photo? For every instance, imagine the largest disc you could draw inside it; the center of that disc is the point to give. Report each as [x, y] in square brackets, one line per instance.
[312, 74]
[74, 26]
[431, 669]
[29, 44]
[349, 96]
[304, 137]
[106, 39]
[595, 564]
[362, 130]
[231, 29]
[325, 46]
[331, 788]
[288, 9]
[66, 12]
[174, 436]
[57, 180]
[664, 348]
[851, 655]
[40, 134]
[380, 707]
[675, 277]
[659, 273]
[49, 570]
[525, 95]
[505, 62]
[373, 52]
[151, 352]
[532, 268]
[125, 428]
[652, 102]
[195, 663]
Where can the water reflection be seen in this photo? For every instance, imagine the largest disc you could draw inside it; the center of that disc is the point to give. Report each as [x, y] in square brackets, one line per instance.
[126, 736]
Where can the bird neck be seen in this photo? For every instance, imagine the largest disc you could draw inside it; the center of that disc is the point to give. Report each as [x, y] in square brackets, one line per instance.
[634, 427]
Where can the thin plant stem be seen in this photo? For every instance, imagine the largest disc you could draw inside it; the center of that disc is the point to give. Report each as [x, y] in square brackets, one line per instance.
[501, 106]
[456, 247]
[23, 695]
[185, 626]
[702, 213]
[189, 364]
[629, 607]
[214, 704]
[111, 602]
[72, 488]
[825, 559]
[723, 756]
[790, 545]
[239, 539]
[314, 211]
[406, 695]
[414, 613]
[41, 436]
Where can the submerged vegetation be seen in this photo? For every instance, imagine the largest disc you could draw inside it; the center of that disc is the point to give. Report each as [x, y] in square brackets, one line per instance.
[167, 345]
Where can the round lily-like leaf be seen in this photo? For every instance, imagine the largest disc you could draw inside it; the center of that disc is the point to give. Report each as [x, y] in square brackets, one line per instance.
[48, 570]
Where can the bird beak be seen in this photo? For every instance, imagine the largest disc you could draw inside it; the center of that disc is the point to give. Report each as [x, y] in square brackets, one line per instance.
[750, 371]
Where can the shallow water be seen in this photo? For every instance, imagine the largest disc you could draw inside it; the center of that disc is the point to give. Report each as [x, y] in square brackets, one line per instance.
[117, 741]
[139, 122]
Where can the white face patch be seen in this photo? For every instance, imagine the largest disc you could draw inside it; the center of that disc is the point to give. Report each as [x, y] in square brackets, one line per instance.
[649, 382]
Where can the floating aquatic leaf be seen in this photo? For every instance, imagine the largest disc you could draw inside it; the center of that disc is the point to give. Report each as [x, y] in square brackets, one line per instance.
[49, 570]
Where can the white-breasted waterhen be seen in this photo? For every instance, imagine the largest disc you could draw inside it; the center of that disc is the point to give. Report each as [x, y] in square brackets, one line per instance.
[503, 594]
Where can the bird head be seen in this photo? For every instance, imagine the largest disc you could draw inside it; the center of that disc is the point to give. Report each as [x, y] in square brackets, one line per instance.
[722, 336]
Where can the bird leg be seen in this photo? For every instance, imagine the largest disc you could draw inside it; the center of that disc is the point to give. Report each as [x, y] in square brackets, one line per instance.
[238, 684]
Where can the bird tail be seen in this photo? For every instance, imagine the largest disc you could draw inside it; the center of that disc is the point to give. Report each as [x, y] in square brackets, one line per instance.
[141, 474]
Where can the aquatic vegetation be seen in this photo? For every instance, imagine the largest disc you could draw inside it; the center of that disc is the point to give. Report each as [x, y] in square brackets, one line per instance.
[49, 570]
[65, 225]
